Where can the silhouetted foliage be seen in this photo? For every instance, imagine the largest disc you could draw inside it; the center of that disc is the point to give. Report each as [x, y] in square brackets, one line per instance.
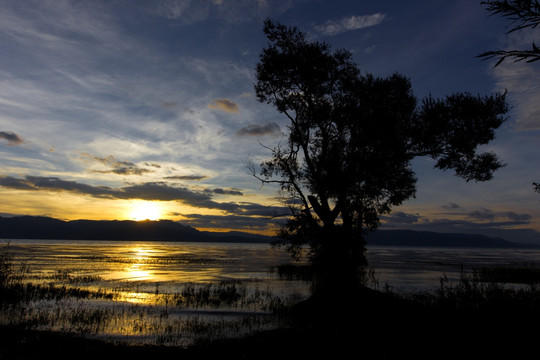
[352, 137]
[523, 14]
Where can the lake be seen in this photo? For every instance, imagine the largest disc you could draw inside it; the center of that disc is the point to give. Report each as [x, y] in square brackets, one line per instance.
[150, 283]
[168, 264]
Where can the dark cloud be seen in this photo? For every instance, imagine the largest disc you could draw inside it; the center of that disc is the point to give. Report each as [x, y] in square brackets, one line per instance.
[229, 221]
[482, 214]
[14, 183]
[401, 217]
[152, 191]
[153, 165]
[490, 215]
[516, 217]
[220, 191]
[145, 191]
[117, 166]
[187, 177]
[11, 137]
[272, 129]
[169, 104]
[505, 225]
[451, 206]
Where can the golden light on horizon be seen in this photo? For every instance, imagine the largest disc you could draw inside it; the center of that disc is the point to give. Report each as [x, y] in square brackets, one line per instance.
[145, 210]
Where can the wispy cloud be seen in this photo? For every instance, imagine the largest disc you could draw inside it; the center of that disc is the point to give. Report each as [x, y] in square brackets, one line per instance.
[226, 105]
[260, 130]
[335, 27]
[11, 137]
[520, 79]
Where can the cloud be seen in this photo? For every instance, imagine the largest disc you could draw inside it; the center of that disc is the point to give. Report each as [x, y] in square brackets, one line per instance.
[523, 92]
[220, 191]
[272, 129]
[10, 137]
[227, 221]
[490, 215]
[400, 218]
[520, 80]
[452, 206]
[224, 104]
[186, 177]
[349, 23]
[502, 224]
[151, 191]
[169, 104]
[118, 167]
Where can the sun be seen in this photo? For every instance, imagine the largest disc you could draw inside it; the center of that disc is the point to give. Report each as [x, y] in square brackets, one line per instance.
[145, 210]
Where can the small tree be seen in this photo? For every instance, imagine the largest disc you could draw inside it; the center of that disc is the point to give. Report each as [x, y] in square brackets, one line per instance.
[351, 140]
[524, 14]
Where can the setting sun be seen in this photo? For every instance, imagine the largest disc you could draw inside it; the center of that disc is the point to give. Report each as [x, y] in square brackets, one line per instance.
[145, 211]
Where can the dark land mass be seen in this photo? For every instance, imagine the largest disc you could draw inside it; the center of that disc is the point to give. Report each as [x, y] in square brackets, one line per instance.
[36, 227]
[435, 239]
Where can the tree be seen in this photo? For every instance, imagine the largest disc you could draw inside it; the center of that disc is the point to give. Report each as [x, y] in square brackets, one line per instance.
[351, 140]
[524, 14]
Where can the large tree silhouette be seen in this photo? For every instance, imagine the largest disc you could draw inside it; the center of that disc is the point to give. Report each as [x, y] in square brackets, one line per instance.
[351, 140]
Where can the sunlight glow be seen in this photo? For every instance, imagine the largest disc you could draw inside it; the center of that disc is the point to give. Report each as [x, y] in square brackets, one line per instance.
[145, 210]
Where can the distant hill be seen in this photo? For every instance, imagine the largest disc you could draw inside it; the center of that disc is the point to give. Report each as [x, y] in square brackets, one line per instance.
[37, 227]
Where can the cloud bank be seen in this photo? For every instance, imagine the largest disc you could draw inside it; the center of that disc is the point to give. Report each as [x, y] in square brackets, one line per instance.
[151, 191]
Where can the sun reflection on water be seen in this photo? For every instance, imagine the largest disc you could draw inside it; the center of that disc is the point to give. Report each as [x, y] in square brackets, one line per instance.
[138, 269]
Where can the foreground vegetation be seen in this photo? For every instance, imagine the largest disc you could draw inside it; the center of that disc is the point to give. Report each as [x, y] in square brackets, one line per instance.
[488, 311]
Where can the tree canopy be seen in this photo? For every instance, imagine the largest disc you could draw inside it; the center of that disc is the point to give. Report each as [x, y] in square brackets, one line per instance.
[351, 140]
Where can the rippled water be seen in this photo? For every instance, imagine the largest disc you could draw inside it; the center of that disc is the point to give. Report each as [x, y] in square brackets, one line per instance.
[151, 266]
[168, 264]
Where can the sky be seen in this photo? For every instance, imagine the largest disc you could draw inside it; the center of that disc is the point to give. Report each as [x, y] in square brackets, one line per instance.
[130, 110]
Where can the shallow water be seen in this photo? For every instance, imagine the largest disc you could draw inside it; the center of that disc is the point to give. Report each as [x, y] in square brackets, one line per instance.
[147, 267]
[146, 278]
[150, 267]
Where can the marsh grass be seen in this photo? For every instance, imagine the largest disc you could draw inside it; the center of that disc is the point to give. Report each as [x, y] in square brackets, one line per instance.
[492, 289]
[510, 275]
[195, 313]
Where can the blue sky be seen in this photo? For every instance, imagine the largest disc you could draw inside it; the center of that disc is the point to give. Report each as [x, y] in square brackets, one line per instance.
[126, 109]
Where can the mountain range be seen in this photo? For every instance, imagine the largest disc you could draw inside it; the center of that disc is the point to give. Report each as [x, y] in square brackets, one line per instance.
[38, 227]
